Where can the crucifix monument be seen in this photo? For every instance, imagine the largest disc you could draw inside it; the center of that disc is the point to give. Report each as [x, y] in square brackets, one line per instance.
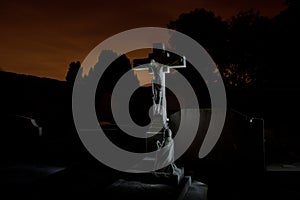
[159, 124]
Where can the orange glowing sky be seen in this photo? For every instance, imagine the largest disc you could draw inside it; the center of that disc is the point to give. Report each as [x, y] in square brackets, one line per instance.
[41, 38]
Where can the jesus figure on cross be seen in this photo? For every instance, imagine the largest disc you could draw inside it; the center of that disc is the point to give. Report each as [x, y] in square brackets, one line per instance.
[157, 71]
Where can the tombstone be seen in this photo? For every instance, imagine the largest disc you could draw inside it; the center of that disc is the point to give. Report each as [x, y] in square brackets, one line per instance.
[159, 134]
[167, 182]
[20, 138]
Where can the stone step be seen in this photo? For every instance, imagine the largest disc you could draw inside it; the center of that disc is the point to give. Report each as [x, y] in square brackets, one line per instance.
[140, 188]
[153, 133]
[144, 162]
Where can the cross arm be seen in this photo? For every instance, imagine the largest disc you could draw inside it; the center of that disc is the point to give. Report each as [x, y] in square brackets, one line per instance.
[179, 66]
[141, 67]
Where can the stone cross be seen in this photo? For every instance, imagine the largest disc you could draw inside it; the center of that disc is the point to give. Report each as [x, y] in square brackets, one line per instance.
[158, 71]
[164, 138]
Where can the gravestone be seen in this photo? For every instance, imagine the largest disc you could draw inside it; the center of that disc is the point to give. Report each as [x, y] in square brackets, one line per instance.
[159, 135]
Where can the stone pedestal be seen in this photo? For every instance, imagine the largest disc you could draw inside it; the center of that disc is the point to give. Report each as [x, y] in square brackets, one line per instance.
[133, 189]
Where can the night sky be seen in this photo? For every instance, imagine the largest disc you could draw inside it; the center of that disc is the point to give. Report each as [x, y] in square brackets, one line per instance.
[41, 38]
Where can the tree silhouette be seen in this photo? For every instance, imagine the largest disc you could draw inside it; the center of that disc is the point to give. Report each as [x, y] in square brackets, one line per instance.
[283, 40]
[72, 72]
[108, 80]
[113, 72]
[246, 47]
[204, 27]
[210, 31]
[237, 45]
[292, 3]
